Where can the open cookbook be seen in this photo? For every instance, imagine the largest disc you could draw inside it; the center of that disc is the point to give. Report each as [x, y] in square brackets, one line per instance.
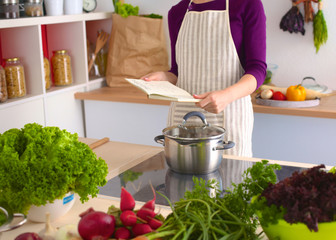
[162, 90]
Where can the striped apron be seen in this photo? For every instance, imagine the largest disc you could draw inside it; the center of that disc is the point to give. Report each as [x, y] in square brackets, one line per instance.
[207, 60]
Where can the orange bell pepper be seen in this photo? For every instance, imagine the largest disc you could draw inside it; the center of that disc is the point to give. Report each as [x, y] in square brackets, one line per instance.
[296, 93]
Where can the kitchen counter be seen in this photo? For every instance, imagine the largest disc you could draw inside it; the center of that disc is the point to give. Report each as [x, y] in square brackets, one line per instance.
[121, 157]
[326, 108]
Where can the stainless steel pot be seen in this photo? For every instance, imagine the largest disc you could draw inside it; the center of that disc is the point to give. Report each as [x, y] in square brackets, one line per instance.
[8, 225]
[194, 148]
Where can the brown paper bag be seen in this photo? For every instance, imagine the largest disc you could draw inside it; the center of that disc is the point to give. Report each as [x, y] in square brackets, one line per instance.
[137, 46]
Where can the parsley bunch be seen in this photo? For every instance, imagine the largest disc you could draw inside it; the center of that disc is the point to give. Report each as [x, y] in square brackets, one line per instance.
[40, 164]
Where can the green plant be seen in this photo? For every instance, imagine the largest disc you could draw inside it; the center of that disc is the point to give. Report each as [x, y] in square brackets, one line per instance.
[40, 164]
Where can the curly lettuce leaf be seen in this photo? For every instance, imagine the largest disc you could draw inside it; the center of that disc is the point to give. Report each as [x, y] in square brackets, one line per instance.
[40, 164]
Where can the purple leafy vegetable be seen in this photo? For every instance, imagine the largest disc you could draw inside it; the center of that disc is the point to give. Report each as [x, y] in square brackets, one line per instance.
[308, 197]
[293, 21]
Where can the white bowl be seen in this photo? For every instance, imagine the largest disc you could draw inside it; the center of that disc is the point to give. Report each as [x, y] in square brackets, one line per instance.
[56, 209]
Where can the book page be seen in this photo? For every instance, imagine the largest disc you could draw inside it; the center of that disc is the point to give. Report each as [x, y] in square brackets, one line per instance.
[162, 90]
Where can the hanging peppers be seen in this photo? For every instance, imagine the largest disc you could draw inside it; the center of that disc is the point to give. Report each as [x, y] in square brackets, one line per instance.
[296, 93]
[320, 28]
[309, 11]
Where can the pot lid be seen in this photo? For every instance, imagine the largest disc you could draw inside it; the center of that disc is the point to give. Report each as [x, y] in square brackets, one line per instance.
[193, 131]
[313, 85]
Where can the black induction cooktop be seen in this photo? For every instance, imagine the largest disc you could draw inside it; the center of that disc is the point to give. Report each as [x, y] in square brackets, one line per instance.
[154, 171]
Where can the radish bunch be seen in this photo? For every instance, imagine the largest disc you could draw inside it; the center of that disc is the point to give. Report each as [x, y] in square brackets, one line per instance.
[118, 223]
[131, 223]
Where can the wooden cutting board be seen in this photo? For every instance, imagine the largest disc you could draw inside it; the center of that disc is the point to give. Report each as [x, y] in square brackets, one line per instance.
[287, 104]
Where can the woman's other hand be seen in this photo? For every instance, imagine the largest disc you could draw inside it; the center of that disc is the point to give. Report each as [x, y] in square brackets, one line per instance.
[160, 76]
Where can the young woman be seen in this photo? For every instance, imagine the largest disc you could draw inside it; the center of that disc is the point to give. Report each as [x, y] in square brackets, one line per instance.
[218, 52]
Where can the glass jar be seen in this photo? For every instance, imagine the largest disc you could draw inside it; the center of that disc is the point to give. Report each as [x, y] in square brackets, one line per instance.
[3, 86]
[15, 78]
[61, 65]
[47, 73]
[10, 9]
[33, 8]
[101, 59]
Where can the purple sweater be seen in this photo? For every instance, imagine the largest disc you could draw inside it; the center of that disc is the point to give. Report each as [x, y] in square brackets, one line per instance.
[248, 29]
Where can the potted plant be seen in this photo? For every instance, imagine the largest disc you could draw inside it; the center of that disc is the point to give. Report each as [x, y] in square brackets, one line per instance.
[41, 164]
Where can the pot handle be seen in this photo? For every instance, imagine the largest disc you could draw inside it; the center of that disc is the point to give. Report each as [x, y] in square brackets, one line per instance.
[225, 145]
[19, 224]
[159, 139]
[194, 114]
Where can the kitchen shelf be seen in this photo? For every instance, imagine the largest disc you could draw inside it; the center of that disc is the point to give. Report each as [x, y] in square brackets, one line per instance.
[33, 21]
[23, 38]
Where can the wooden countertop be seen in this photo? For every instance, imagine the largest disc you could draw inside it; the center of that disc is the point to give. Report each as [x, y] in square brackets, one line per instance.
[326, 109]
[121, 156]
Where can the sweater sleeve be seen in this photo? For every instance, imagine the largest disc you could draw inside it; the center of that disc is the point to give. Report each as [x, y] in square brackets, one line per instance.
[175, 18]
[254, 40]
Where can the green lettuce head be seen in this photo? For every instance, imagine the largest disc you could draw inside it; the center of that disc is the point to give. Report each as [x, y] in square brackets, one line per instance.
[40, 164]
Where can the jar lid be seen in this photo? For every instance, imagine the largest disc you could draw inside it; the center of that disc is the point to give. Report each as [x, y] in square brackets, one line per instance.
[9, 1]
[60, 51]
[12, 59]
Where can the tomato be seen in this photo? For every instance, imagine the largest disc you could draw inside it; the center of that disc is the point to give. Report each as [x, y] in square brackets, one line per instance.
[278, 96]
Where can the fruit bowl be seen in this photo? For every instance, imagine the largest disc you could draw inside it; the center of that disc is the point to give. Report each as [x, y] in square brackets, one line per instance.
[286, 231]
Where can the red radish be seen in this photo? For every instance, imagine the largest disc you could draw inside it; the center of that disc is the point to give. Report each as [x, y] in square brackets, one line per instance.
[141, 229]
[151, 203]
[145, 214]
[122, 233]
[126, 200]
[154, 223]
[96, 225]
[128, 218]
[28, 236]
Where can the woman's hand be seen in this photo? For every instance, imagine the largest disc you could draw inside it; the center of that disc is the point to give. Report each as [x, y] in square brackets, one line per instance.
[216, 101]
[160, 76]
[213, 102]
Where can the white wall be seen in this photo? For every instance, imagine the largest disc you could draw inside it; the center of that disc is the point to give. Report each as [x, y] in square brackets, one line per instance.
[293, 53]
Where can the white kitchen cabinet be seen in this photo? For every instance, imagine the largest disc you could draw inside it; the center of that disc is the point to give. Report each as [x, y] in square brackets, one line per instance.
[57, 106]
[125, 122]
[294, 138]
